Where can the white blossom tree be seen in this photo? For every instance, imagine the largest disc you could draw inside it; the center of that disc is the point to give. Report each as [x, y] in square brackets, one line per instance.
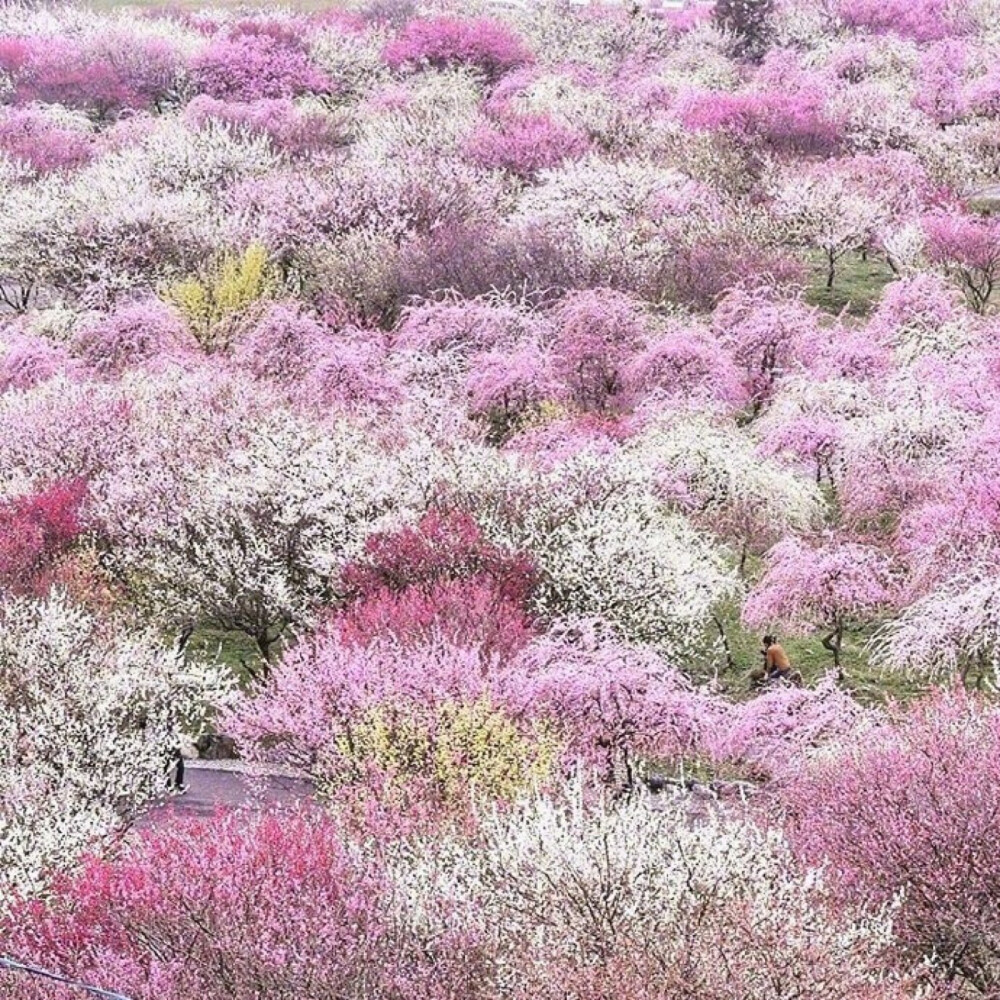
[252, 541]
[89, 718]
[953, 631]
[708, 908]
[604, 544]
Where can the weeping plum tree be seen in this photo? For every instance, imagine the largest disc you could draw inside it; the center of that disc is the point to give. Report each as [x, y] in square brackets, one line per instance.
[831, 586]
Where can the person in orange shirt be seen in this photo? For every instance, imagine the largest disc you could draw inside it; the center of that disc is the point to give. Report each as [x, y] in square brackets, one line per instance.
[777, 666]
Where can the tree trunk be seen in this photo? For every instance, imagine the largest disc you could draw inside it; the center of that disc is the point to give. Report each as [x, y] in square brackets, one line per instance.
[832, 642]
[264, 643]
[727, 649]
[184, 638]
[744, 552]
[831, 265]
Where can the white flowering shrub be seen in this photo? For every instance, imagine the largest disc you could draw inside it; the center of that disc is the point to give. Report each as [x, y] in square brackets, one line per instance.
[713, 907]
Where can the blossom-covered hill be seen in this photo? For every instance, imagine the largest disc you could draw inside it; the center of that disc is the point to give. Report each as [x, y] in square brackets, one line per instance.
[440, 402]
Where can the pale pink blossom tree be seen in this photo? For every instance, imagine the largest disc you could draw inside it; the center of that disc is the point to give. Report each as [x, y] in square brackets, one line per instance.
[833, 585]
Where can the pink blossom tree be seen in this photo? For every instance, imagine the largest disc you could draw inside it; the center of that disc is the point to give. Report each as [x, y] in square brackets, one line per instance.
[907, 810]
[289, 129]
[524, 144]
[764, 332]
[833, 585]
[284, 344]
[27, 360]
[967, 247]
[257, 66]
[219, 908]
[615, 705]
[483, 43]
[42, 143]
[598, 332]
[506, 386]
[135, 333]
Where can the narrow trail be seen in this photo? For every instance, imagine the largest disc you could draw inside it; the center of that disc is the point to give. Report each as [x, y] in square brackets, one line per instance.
[215, 785]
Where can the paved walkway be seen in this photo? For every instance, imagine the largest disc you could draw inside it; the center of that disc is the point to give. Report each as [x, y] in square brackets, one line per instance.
[214, 785]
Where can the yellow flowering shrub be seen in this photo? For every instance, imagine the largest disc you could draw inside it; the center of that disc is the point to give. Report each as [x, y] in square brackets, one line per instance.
[229, 288]
[465, 748]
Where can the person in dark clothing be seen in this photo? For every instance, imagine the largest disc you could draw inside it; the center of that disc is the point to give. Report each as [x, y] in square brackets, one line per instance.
[176, 764]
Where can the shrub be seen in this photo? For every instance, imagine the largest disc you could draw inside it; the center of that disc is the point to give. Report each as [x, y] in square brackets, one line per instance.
[524, 145]
[454, 749]
[483, 43]
[909, 810]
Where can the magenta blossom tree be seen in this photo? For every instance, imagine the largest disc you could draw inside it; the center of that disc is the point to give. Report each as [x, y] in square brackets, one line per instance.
[35, 530]
[220, 908]
[967, 247]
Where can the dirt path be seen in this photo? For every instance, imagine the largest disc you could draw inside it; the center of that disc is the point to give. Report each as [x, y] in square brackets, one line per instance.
[214, 785]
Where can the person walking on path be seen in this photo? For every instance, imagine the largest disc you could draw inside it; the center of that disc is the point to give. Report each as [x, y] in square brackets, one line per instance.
[176, 764]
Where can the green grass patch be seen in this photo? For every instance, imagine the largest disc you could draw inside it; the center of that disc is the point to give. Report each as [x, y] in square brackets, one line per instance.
[856, 288]
[234, 650]
[869, 684]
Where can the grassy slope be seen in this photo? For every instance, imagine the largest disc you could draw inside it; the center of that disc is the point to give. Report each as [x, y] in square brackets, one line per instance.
[857, 286]
[232, 649]
[870, 685]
